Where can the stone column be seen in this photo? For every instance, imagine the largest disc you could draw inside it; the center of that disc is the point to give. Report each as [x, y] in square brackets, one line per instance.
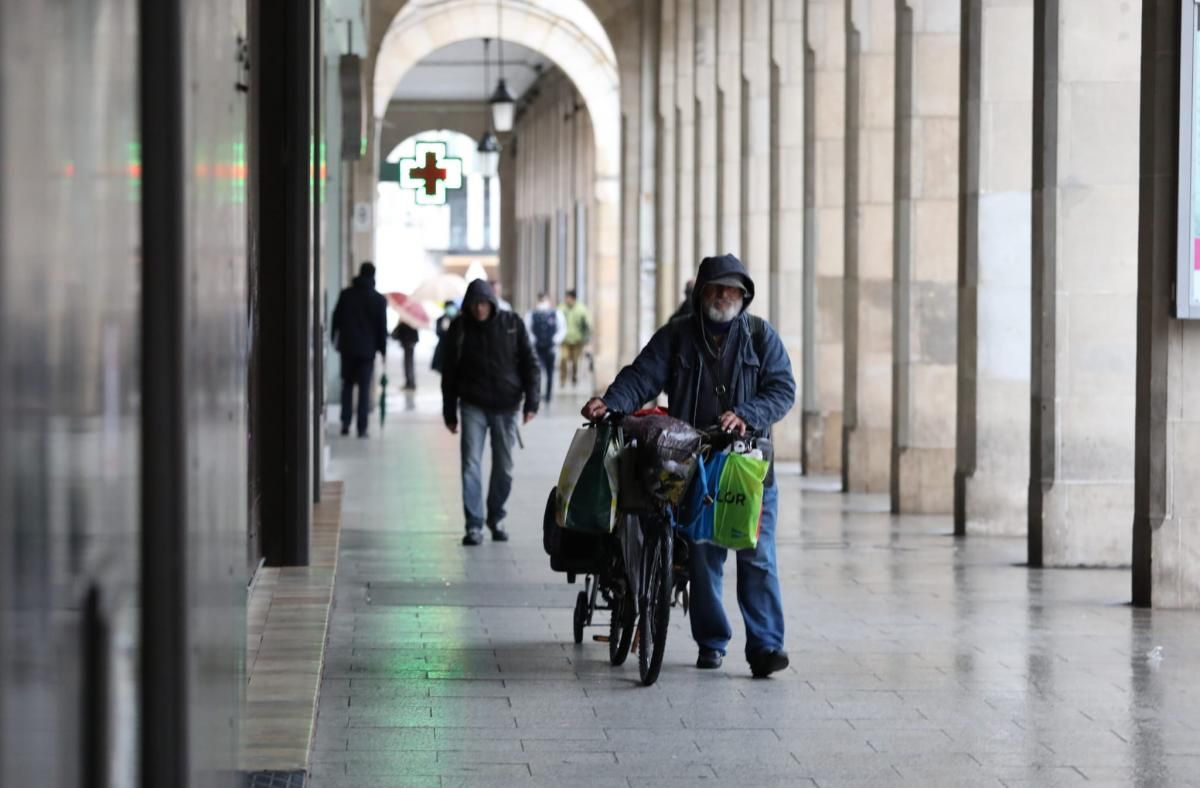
[787, 204]
[1085, 200]
[648, 137]
[1166, 525]
[510, 274]
[870, 118]
[824, 260]
[669, 293]
[756, 148]
[628, 45]
[992, 475]
[705, 151]
[685, 143]
[925, 298]
[729, 127]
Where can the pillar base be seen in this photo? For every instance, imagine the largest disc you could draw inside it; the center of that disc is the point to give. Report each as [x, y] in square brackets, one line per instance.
[924, 481]
[991, 505]
[1087, 524]
[822, 442]
[1175, 563]
[868, 459]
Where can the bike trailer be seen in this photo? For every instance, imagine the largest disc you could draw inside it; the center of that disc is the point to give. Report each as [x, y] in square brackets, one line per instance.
[573, 552]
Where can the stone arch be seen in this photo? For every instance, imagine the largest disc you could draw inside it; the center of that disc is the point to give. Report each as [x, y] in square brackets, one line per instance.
[569, 34]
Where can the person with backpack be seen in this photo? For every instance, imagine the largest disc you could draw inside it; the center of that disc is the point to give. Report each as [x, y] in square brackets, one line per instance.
[490, 377]
[720, 366]
[547, 328]
[579, 333]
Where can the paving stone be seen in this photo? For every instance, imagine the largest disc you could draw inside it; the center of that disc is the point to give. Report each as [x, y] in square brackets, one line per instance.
[917, 660]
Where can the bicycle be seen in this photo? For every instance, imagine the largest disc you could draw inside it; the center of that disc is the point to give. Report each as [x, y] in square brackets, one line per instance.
[661, 554]
[639, 571]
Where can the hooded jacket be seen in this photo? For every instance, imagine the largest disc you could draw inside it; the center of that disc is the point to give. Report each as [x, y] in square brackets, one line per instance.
[359, 324]
[487, 364]
[762, 389]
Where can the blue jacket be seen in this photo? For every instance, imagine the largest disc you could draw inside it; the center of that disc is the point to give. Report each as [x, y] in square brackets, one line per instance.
[763, 389]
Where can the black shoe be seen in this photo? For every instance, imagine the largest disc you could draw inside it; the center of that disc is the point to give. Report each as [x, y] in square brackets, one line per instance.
[764, 663]
[473, 538]
[709, 659]
[363, 435]
[498, 532]
[345, 429]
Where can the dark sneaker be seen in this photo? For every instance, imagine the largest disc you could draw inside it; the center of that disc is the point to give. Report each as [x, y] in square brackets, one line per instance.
[345, 429]
[764, 663]
[473, 538]
[498, 532]
[709, 659]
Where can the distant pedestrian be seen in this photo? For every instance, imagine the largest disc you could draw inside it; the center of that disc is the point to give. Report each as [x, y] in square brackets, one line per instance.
[547, 328]
[408, 337]
[685, 308]
[498, 289]
[579, 333]
[359, 331]
[489, 375]
[441, 327]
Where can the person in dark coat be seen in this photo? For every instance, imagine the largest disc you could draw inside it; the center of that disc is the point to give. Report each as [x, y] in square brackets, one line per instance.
[441, 327]
[685, 308]
[359, 329]
[720, 366]
[408, 337]
[489, 376]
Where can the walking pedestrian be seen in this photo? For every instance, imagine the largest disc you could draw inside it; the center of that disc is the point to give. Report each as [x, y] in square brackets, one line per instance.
[721, 366]
[579, 332]
[408, 337]
[441, 327]
[547, 328]
[498, 289]
[489, 378]
[359, 331]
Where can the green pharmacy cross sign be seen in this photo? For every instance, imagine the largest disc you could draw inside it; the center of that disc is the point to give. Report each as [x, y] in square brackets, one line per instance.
[429, 171]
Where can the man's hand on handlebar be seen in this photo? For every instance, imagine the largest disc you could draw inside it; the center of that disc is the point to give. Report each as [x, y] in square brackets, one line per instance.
[731, 422]
[595, 409]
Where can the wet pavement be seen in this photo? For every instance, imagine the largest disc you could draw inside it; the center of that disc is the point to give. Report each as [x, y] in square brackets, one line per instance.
[917, 659]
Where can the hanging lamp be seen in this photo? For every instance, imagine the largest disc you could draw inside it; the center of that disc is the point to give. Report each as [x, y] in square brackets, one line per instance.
[488, 150]
[502, 102]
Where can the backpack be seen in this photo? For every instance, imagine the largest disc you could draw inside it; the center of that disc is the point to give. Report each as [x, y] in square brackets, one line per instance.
[545, 326]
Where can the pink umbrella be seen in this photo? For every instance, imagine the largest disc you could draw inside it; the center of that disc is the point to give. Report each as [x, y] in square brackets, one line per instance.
[410, 311]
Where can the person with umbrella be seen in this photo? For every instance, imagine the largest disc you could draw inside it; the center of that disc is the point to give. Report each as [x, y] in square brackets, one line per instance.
[412, 318]
[359, 329]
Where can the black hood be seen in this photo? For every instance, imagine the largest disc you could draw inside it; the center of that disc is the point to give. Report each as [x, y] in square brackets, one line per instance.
[480, 290]
[715, 268]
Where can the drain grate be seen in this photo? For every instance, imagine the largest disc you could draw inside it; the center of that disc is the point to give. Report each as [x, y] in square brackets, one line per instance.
[275, 779]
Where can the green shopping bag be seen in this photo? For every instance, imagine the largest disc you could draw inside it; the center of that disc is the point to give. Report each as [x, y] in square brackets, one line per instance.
[737, 506]
[587, 485]
[724, 504]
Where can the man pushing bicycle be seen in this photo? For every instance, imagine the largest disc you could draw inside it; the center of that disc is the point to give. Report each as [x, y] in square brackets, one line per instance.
[719, 365]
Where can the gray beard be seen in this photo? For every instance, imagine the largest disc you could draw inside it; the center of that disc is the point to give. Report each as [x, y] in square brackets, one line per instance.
[717, 315]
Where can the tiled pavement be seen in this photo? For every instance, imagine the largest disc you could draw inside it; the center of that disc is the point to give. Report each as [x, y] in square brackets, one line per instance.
[917, 660]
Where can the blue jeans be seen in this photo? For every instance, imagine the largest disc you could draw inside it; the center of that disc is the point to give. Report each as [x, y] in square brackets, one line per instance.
[546, 359]
[475, 424]
[757, 589]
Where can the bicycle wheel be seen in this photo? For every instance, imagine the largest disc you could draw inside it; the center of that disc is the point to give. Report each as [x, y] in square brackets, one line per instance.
[581, 611]
[655, 599]
[620, 631]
